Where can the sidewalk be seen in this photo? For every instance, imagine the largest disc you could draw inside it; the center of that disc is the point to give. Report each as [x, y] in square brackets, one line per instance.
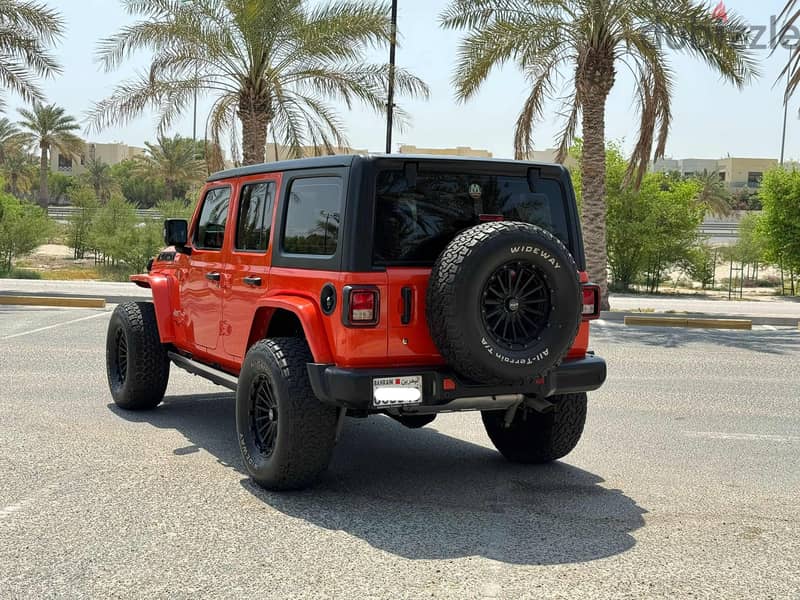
[772, 311]
[769, 311]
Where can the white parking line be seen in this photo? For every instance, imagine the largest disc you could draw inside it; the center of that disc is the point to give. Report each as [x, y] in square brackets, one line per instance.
[742, 437]
[8, 337]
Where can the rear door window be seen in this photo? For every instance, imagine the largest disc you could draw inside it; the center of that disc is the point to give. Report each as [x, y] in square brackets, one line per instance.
[210, 232]
[255, 216]
[313, 216]
[414, 223]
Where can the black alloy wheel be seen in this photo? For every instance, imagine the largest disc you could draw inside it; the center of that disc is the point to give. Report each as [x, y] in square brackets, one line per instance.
[264, 415]
[515, 305]
[121, 363]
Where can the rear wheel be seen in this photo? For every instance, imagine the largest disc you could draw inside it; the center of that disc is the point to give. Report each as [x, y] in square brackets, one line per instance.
[137, 364]
[286, 435]
[534, 437]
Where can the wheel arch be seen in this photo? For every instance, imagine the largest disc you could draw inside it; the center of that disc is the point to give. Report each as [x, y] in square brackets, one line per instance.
[161, 287]
[286, 316]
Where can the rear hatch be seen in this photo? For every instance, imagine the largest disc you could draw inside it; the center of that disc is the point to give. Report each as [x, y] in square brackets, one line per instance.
[421, 205]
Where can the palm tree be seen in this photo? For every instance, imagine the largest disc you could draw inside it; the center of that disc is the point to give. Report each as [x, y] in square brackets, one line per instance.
[98, 175]
[50, 126]
[713, 194]
[19, 169]
[10, 138]
[578, 45]
[174, 162]
[27, 29]
[270, 65]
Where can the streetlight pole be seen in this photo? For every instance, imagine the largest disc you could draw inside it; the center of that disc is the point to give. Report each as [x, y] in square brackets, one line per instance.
[390, 95]
[194, 112]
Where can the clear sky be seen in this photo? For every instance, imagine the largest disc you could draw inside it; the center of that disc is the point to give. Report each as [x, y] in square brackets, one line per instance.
[712, 119]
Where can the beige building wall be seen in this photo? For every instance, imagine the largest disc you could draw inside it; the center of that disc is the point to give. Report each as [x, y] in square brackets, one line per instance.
[110, 154]
[737, 173]
[549, 156]
[457, 151]
[745, 172]
[283, 152]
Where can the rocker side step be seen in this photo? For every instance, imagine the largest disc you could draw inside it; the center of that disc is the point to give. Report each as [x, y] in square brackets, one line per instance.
[196, 368]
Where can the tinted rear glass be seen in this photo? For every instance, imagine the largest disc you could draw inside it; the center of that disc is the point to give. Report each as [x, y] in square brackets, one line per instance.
[413, 224]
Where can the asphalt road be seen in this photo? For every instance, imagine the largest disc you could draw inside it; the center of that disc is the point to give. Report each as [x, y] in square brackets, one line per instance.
[685, 484]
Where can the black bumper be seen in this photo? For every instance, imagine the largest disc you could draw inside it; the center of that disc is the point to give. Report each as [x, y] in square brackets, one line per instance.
[352, 388]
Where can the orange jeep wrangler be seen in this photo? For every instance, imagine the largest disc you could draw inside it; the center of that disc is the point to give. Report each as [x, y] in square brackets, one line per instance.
[398, 285]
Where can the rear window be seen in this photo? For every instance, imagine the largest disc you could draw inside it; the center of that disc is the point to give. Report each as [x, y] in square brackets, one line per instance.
[414, 224]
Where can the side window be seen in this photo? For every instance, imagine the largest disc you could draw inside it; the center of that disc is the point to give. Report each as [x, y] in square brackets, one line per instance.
[210, 231]
[313, 216]
[255, 217]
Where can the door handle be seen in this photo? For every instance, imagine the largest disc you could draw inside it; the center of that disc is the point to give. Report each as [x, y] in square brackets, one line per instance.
[214, 276]
[405, 318]
[253, 281]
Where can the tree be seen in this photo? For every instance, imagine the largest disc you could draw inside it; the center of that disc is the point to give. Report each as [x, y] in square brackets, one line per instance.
[23, 227]
[270, 65]
[649, 229]
[700, 264]
[143, 192]
[84, 200]
[50, 127]
[19, 169]
[587, 39]
[713, 194]
[27, 29]
[780, 194]
[111, 226]
[99, 176]
[59, 184]
[173, 162]
[11, 138]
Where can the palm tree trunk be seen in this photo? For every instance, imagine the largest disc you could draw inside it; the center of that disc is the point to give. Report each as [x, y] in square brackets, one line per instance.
[255, 120]
[44, 195]
[15, 185]
[593, 210]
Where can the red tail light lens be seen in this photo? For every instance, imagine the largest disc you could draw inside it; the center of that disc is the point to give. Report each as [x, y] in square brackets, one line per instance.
[362, 306]
[591, 302]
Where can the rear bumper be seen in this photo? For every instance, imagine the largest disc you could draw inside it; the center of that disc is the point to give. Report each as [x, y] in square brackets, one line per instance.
[352, 388]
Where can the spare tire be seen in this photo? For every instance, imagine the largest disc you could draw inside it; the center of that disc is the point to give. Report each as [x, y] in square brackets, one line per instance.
[504, 302]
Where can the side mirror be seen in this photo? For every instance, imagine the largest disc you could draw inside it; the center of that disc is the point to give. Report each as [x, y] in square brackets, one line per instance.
[176, 232]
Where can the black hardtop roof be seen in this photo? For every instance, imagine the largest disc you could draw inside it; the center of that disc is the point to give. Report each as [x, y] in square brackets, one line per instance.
[346, 160]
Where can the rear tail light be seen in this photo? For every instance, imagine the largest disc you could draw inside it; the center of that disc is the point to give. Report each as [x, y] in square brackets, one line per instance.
[362, 306]
[591, 302]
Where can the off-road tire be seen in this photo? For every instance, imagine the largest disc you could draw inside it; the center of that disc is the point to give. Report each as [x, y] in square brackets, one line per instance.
[138, 373]
[457, 288]
[537, 438]
[305, 427]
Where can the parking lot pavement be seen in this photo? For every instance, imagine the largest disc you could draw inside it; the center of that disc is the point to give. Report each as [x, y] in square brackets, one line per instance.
[686, 483]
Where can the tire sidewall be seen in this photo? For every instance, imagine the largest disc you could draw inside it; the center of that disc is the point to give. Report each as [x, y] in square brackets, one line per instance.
[118, 323]
[552, 260]
[258, 362]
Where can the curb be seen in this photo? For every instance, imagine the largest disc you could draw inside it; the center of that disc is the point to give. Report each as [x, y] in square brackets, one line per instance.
[619, 317]
[60, 301]
[693, 323]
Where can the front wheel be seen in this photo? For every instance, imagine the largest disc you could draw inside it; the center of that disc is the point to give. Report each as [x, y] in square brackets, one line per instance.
[286, 435]
[137, 364]
[536, 438]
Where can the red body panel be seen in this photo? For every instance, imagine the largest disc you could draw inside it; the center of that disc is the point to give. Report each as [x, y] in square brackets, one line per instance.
[216, 322]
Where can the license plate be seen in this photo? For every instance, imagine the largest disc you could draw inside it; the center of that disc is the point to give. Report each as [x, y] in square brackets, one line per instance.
[397, 391]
